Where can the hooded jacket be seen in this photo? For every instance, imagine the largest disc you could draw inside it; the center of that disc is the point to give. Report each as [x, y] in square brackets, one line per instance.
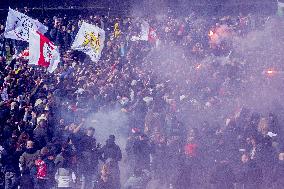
[28, 158]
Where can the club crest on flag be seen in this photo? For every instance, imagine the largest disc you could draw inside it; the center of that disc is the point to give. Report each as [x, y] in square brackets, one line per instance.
[42, 51]
[90, 40]
[18, 26]
[21, 27]
[47, 52]
[116, 30]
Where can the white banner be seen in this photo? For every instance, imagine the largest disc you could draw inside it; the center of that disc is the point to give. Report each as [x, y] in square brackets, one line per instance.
[144, 34]
[281, 4]
[42, 51]
[19, 24]
[144, 31]
[90, 40]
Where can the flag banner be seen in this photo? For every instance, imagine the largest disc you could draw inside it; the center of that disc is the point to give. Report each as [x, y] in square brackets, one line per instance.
[145, 28]
[24, 54]
[281, 4]
[90, 40]
[147, 33]
[144, 33]
[42, 51]
[116, 30]
[152, 37]
[19, 24]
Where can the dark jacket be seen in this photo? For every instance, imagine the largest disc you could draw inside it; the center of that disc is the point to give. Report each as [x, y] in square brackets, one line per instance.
[40, 136]
[10, 160]
[88, 154]
[250, 175]
[223, 176]
[105, 185]
[142, 151]
[278, 175]
[111, 150]
[28, 158]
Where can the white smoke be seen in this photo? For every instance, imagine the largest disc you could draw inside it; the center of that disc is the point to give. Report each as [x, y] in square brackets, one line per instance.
[109, 121]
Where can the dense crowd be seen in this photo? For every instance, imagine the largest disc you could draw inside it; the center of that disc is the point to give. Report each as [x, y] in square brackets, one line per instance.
[188, 66]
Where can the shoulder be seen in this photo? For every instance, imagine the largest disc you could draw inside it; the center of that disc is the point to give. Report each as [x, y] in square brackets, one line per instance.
[117, 147]
[24, 154]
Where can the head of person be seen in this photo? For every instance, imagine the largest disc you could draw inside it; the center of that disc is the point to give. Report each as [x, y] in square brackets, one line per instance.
[61, 122]
[30, 144]
[105, 170]
[44, 151]
[112, 138]
[90, 132]
[281, 157]
[245, 158]
[143, 137]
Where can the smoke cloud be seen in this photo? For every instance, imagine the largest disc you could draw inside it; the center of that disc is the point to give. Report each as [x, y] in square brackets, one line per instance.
[217, 86]
[107, 121]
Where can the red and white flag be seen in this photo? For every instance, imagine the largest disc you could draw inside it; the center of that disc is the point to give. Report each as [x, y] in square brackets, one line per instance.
[147, 33]
[42, 51]
[152, 36]
[24, 54]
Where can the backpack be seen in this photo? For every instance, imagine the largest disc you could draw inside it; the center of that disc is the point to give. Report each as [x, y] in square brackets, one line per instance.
[41, 169]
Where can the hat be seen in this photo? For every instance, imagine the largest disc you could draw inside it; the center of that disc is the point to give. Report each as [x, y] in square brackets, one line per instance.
[46, 108]
[38, 102]
[134, 82]
[148, 99]
[41, 118]
[271, 134]
[111, 138]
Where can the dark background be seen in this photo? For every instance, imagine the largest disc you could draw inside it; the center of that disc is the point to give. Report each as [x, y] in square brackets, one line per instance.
[125, 7]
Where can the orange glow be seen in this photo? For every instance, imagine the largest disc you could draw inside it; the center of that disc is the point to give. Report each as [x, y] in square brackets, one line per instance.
[198, 66]
[270, 71]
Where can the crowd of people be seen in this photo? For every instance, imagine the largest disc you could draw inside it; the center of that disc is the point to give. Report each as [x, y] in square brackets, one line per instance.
[187, 68]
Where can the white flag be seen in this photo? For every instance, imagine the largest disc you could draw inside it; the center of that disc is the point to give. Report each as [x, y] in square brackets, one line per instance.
[90, 40]
[281, 4]
[42, 51]
[144, 33]
[19, 24]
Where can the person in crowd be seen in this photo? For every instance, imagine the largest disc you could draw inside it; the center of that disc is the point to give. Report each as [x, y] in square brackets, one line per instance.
[10, 163]
[65, 176]
[250, 175]
[223, 176]
[111, 155]
[44, 170]
[105, 180]
[40, 134]
[88, 158]
[142, 150]
[279, 172]
[191, 164]
[27, 161]
[130, 156]
[28, 158]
